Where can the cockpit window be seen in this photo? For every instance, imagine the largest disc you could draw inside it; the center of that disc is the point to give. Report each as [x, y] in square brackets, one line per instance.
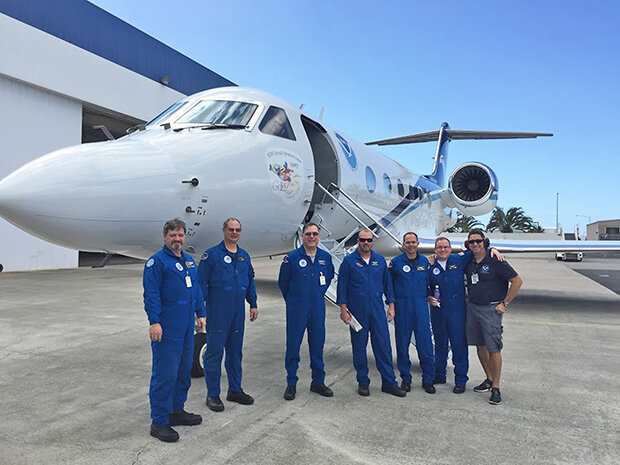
[276, 123]
[167, 112]
[219, 112]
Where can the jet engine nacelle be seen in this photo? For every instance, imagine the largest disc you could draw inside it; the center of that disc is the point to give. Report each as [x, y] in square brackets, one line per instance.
[473, 188]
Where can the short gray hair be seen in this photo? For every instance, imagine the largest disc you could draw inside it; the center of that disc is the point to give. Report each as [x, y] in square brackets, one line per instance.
[173, 224]
[225, 225]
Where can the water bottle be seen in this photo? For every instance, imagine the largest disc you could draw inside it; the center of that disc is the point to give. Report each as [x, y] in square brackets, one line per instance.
[436, 294]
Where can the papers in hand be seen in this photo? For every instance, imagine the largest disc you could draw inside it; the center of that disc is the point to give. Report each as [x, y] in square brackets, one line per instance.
[353, 323]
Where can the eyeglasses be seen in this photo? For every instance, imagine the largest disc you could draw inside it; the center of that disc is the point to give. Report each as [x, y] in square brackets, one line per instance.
[365, 239]
[311, 233]
[234, 229]
[476, 241]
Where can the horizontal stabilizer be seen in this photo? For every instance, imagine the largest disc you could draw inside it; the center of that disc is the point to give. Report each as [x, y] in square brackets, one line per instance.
[458, 134]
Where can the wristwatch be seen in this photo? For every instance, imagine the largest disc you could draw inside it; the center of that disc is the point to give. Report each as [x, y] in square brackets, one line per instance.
[505, 303]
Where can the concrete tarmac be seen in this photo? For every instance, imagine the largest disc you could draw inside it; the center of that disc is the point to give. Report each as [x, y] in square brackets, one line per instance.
[75, 366]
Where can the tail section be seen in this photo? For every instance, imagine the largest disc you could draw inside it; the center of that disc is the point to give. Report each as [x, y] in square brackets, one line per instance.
[438, 176]
[444, 135]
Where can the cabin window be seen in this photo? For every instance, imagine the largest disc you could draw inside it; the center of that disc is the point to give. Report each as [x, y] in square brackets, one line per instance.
[371, 180]
[219, 112]
[413, 193]
[387, 184]
[401, 188]
[277, 124]
[167, 112]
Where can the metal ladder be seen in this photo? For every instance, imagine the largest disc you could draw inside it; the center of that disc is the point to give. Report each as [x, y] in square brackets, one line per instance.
[338, 249]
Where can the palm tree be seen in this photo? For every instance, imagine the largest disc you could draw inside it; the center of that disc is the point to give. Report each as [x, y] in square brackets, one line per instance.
[513, 219]
[464, 223]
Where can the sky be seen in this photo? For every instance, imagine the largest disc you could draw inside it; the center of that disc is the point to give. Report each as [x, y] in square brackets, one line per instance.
[387, 69]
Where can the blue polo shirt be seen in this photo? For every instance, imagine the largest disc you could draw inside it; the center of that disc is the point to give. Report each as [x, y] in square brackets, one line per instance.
[493, 277]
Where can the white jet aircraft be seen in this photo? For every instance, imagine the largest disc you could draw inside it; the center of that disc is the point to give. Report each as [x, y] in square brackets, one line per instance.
[241, 152]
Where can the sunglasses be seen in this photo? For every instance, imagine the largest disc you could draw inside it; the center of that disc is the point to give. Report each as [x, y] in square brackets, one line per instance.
[311, 233]
[476, 241]
[234, 229]
[365, 239]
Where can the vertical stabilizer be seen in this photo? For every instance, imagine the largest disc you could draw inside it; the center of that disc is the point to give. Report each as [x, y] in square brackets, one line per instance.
[438, 176]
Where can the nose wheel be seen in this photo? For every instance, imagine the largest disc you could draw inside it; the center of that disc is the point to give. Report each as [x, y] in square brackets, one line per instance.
[200, 347]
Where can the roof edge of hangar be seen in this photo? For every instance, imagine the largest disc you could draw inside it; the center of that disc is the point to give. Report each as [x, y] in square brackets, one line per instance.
[89, 27]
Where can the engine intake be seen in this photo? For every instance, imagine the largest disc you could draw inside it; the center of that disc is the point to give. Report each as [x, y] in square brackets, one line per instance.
[473, 187]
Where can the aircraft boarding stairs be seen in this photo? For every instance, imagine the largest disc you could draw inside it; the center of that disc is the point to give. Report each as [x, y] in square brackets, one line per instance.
[338, 249]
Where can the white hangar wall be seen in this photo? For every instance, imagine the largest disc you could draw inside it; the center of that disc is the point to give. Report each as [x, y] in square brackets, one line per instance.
[44, 84]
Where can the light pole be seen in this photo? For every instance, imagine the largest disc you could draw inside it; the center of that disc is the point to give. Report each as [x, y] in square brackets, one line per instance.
[589, 221]
[557, 209]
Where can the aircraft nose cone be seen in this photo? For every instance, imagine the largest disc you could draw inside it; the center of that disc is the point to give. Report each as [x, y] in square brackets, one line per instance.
[33, 195]
[78, 196]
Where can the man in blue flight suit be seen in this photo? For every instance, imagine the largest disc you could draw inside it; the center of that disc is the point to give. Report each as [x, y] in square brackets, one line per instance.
[409, 272]
[305, 275]
[227, 280]
[171, 298]
[448, 313]
[363, 279]
[447, 274]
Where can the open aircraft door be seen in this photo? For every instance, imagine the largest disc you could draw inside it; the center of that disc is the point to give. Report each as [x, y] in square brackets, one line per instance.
[326, 169]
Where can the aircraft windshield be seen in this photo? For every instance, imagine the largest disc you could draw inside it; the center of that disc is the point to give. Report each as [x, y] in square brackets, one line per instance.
[167, 112]
[219, 112]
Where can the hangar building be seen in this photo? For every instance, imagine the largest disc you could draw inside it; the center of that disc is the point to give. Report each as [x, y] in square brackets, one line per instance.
[68, 66]
[604, 230]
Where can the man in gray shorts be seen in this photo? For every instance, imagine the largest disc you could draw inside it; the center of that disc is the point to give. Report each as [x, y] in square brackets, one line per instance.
[489, 295]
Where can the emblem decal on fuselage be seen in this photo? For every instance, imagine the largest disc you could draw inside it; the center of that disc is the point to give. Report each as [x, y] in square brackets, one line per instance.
[348, 151]
[285, 170]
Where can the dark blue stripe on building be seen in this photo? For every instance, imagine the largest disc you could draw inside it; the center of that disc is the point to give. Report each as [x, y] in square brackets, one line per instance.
[89, 27]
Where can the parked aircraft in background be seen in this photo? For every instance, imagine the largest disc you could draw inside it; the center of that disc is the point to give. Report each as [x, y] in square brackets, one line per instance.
[241, 152]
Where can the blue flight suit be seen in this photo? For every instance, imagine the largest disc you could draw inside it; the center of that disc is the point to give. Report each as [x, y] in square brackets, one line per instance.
[227, 280]
[170, 302]
[361, 287]
[304, 292]
[410, 280]
[449, 320]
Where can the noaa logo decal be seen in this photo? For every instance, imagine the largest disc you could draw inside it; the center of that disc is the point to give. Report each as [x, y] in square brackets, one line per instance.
[150, 263]
[485, 268]
[227, 259]
[302, 262]
[179, 267]
[406, 268]
[436, 271]
[348, 151]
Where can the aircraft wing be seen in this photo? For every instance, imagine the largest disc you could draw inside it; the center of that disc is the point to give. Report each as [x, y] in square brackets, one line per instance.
[525, 245]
